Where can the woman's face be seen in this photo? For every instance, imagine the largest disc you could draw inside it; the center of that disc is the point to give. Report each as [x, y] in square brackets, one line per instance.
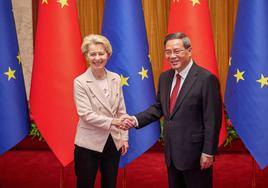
[97, 56]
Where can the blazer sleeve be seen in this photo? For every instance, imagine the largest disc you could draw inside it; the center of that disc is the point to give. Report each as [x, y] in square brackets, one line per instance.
[84, 109]
[154, 112]
[212, 114]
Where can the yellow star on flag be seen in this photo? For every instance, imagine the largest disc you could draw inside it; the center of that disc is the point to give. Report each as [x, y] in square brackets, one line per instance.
[44, 2]
[195, 2]
[19, 58]
[263, 81]
[124, 80]
[143, 73]
[63, 3]
[239, 75]
[10, 73]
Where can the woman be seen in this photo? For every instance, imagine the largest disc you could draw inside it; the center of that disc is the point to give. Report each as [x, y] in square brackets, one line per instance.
[100, 103]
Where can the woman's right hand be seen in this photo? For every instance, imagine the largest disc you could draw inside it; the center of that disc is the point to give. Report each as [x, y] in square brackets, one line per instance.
[117, 122]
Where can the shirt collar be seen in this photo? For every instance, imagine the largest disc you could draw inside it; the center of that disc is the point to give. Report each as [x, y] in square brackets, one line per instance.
[185, 71]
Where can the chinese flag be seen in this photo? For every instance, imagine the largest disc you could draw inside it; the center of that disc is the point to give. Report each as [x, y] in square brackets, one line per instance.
[57, 61]
[192, 17]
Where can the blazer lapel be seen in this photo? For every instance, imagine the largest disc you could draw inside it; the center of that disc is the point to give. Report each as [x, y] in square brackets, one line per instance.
[113, 90]
[96, 91]
[186, 87]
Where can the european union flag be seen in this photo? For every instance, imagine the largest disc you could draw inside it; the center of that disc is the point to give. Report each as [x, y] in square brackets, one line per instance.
[246, 95]
[14, 117]
[123, 24]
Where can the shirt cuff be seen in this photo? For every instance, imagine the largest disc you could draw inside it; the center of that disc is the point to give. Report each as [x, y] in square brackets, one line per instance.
[136, 121]
[207, 155]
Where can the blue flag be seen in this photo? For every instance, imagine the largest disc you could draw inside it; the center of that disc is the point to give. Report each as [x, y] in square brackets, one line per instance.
[246, 95]
[14, 117]
[123, 24]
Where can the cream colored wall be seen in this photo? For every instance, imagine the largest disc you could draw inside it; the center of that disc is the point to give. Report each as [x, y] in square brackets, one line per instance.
[23, 18]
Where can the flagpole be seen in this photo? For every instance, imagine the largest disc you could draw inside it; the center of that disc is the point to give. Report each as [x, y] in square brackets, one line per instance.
[61, 176]
[253, 182]
[124, 179]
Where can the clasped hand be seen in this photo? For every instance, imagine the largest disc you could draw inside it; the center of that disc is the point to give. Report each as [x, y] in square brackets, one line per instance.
[125, 122]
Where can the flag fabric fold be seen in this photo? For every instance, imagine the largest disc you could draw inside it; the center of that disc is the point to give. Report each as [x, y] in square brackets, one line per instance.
[246, 95]
[57, 61]
[193, 18]
[14, 116]
[123, 24]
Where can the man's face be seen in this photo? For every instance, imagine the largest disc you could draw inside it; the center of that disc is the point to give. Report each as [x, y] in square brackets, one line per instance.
[177, 56]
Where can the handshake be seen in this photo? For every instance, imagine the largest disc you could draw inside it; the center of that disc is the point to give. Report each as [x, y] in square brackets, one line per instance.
[125, 122]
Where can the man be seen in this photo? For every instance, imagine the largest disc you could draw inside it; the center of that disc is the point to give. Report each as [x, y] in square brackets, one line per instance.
[189, 99]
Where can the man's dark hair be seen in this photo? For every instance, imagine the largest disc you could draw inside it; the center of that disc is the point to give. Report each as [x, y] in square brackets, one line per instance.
[179, 35]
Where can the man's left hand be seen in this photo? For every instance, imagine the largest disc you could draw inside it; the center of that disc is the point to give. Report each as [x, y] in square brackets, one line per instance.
[206, 161]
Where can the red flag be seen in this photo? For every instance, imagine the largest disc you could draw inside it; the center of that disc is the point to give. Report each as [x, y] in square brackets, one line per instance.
[57, 61]
[192, 17]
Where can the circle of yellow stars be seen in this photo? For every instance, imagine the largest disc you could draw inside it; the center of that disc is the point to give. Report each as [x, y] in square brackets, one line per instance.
[239, 75]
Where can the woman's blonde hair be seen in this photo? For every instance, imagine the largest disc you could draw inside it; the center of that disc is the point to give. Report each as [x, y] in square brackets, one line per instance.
[96, 39]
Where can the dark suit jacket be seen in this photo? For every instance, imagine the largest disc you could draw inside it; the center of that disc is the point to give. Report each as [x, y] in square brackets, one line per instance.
[194, 125]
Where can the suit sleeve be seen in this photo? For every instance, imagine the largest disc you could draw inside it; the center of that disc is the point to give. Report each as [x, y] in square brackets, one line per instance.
[84, 109]
[154, 112]
[212, 114]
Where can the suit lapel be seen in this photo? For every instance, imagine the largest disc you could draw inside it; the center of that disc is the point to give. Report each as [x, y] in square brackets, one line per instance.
[96, 90]
[186, 87]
